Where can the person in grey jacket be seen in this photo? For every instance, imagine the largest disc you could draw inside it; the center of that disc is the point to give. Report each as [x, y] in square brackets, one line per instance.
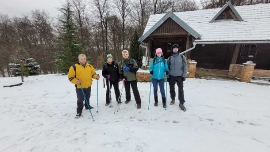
[177, 74]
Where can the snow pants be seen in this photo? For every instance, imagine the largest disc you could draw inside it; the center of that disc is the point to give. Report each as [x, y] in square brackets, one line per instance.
[80, 98]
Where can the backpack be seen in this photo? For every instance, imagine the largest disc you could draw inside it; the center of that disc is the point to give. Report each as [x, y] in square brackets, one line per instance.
[155, 61]
[74, 67]
[121, 63]
[106, 64]
[169, 60]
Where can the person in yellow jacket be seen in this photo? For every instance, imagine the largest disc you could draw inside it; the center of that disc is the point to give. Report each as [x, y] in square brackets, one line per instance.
[81, 74]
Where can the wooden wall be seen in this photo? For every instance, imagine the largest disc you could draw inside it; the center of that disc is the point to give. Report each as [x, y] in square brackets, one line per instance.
[261, 56]
[219, 56]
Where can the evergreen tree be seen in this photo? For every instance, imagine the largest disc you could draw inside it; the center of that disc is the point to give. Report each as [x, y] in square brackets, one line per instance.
[29, 66]
[70, 47]
[135, 49]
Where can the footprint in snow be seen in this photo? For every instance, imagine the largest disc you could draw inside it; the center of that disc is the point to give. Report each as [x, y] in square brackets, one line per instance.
[127, 132]
[210, 119]
[253, 124]
[77, 150]
[240, 122]
[138, 148]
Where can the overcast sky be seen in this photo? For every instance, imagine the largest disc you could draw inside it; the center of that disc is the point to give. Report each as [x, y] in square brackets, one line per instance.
[24, 7]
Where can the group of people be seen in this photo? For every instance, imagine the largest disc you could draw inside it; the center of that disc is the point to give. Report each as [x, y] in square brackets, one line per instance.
[173, 70]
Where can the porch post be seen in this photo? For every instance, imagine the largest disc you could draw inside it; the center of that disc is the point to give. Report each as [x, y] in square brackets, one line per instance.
[150, 51]
[187, 47]
[235, 54]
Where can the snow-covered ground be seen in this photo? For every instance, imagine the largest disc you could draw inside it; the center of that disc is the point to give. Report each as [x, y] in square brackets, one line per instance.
[221, 116]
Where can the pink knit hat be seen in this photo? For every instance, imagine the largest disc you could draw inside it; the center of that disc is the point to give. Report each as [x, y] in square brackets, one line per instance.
[158, 50]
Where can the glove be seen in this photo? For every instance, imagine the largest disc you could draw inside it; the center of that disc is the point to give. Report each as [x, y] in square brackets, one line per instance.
[126, 68]
[167, 72]
[183, 78]
[108, 76]
[151, 72]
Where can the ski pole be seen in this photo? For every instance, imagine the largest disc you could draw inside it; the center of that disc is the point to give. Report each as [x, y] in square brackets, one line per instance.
[87, 103]
[149, 94]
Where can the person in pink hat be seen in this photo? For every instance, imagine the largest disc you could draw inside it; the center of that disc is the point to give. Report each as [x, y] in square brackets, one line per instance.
[158, 68]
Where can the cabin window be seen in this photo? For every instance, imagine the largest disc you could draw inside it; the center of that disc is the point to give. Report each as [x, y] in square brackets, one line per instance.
[169, 47]
[248, 51]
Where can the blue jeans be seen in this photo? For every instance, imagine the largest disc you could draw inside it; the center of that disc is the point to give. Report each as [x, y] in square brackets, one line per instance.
[161, 86]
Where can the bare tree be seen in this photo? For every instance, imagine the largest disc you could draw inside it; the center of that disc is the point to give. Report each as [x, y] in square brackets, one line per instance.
[123, 8]
[79, 7]
[140, 14]
[102, 8]
[7, 41]
[45, 51]
[155, 2]
[184, 5]
[207, 4]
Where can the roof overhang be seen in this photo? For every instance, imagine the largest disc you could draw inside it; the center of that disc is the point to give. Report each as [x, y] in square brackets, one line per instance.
[177, 20]
[232, 42]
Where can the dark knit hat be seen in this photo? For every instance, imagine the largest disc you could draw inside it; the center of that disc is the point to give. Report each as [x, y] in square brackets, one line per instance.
[175, 46]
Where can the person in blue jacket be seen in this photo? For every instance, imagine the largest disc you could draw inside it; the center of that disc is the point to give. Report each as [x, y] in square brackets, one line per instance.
[158, 68]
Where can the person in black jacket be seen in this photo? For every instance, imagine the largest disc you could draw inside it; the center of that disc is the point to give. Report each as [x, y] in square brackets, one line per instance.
[111, 74]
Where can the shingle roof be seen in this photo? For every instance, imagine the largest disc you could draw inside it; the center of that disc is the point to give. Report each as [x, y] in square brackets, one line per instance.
[228, 5]
[176, 19]
[254, 27]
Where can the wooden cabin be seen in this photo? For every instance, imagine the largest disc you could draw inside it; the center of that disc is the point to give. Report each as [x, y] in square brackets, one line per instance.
[222, 36]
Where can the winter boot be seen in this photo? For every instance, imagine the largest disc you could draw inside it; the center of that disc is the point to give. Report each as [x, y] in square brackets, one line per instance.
[78, 115]
[164, 102]
[172, 102]
[156, 101]
[118, 101]
[139, 106]
[182, 107]
[127, 101]
[86, 108]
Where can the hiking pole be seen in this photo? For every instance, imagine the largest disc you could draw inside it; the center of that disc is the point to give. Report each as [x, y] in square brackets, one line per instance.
[97, 94]
[166, 78]
[118, 100]
[87, 103]
[110, 97]
[149, 94]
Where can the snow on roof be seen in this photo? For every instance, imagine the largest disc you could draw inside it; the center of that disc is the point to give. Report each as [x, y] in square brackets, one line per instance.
[254, 27]
[230, 6]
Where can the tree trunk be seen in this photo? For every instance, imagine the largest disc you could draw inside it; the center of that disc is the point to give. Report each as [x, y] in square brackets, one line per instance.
[102, 34]
[22, 71]
[106, 36]
[8, 71]
[2, 72]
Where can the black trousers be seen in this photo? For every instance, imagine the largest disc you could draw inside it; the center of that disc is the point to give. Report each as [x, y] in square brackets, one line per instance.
[80, 98]
[179, 82]
[115, 85]
[134, 89]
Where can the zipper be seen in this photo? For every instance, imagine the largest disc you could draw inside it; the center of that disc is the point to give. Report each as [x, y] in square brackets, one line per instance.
[158, 69]
[85, 73]
[174, 63]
